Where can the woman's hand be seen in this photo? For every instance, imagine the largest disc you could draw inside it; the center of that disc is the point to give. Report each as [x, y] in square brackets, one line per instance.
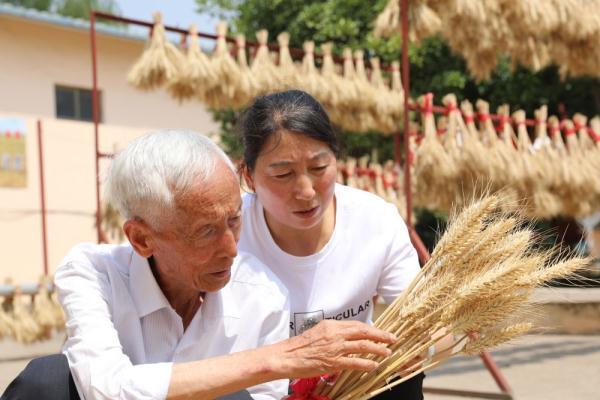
[328, 347]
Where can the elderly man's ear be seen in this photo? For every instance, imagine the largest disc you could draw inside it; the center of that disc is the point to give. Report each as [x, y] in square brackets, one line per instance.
[140, 236]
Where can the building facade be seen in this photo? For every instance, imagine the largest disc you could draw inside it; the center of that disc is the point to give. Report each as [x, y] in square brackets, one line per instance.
[46, 76]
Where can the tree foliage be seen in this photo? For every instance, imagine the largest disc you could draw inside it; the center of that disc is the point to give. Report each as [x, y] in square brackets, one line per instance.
[68, 8]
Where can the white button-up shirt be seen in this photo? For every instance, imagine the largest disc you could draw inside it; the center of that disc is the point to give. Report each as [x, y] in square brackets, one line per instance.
[123, 335]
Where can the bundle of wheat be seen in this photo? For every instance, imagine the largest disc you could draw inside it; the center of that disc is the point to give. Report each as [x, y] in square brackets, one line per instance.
[366, 106]
[112, 223]
[223, 92]
[264, 70]
[247, 86]
[159, 63]
[25, 328]
[287, 70]
[476, 286]
[534, 33]
[349, 100]
[332, 91]
[195, 74]
[5, 321]
[381, 111]
[397, 92]
[434, 166]
[43, 310]
[310, 79]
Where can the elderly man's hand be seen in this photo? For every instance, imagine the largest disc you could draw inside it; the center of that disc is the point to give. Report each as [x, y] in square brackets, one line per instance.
[328, 348]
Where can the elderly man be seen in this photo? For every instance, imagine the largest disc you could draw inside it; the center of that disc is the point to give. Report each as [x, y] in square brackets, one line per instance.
[176, 312]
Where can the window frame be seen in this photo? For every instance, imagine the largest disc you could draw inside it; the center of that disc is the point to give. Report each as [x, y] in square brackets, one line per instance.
[76, 90]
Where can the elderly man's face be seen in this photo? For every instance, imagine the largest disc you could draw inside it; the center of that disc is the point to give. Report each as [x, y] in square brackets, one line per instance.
[195, 249]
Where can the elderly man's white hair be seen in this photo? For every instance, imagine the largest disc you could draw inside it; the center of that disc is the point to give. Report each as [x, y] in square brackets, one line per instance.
[145, 177]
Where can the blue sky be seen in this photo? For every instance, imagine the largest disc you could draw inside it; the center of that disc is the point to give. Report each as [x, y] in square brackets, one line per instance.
[179, 13]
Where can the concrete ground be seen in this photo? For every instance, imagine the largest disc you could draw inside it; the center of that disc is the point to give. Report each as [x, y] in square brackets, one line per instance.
[549, 367]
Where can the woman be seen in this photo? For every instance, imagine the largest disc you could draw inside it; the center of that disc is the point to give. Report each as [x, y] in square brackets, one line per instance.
[333, 246]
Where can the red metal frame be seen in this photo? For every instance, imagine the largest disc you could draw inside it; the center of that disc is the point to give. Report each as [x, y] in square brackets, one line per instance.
[42, 196]
[423, 253]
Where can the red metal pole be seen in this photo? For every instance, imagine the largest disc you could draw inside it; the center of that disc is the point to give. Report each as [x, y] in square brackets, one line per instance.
[96, 118]
[490, 364]
[405, 118]
[42, 197]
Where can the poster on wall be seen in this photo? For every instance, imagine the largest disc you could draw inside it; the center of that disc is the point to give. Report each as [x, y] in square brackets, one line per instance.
[13, 171]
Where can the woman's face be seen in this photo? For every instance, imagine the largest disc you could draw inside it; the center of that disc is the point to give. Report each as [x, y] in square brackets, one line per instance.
[294, 178]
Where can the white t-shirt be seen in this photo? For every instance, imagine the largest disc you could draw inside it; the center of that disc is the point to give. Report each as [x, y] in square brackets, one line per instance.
[369, 253]
[124, 336]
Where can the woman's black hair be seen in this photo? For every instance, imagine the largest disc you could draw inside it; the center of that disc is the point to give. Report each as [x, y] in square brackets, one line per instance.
[293, 111]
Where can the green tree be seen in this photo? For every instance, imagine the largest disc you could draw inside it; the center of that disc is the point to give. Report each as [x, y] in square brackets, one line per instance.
[82, 8]
[41, 5]
[69, 8]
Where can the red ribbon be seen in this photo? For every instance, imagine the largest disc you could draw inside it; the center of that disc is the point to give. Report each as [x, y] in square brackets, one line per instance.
[427, 108]
[451, 107]
[302, 389]
[483, 117]
[570, 131]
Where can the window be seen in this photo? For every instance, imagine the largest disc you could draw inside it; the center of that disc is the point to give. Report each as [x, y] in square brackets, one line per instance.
[75, 103]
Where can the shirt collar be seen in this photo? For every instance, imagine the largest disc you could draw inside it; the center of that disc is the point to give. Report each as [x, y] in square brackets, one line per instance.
[147, 295]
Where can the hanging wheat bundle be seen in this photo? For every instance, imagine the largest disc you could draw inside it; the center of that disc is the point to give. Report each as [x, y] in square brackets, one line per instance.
[349, 100]
[366, 106]
[423, 21]
[351, 180]
[475, 164]
[541, 128]
[382, 111]
[247, 86]
[580, 125]
[222, 93]
[379, 187]
[288, 72]
[310, 79]
[25, 327]
[512, 170]
[112, 223]
[43, 310]
[264, 70]
[465, 148]
[595, 131]
[333, 86]
[500, 153]
[476, 286]
[159, 63]
[364, 180]
[561, 164]
[388, 20]
[434, 167]
[452, 142]
[555, 136]
[579, 176]
[6, 320]
[397, 92]
[195, 75]
[549, 164]
[535, 179]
